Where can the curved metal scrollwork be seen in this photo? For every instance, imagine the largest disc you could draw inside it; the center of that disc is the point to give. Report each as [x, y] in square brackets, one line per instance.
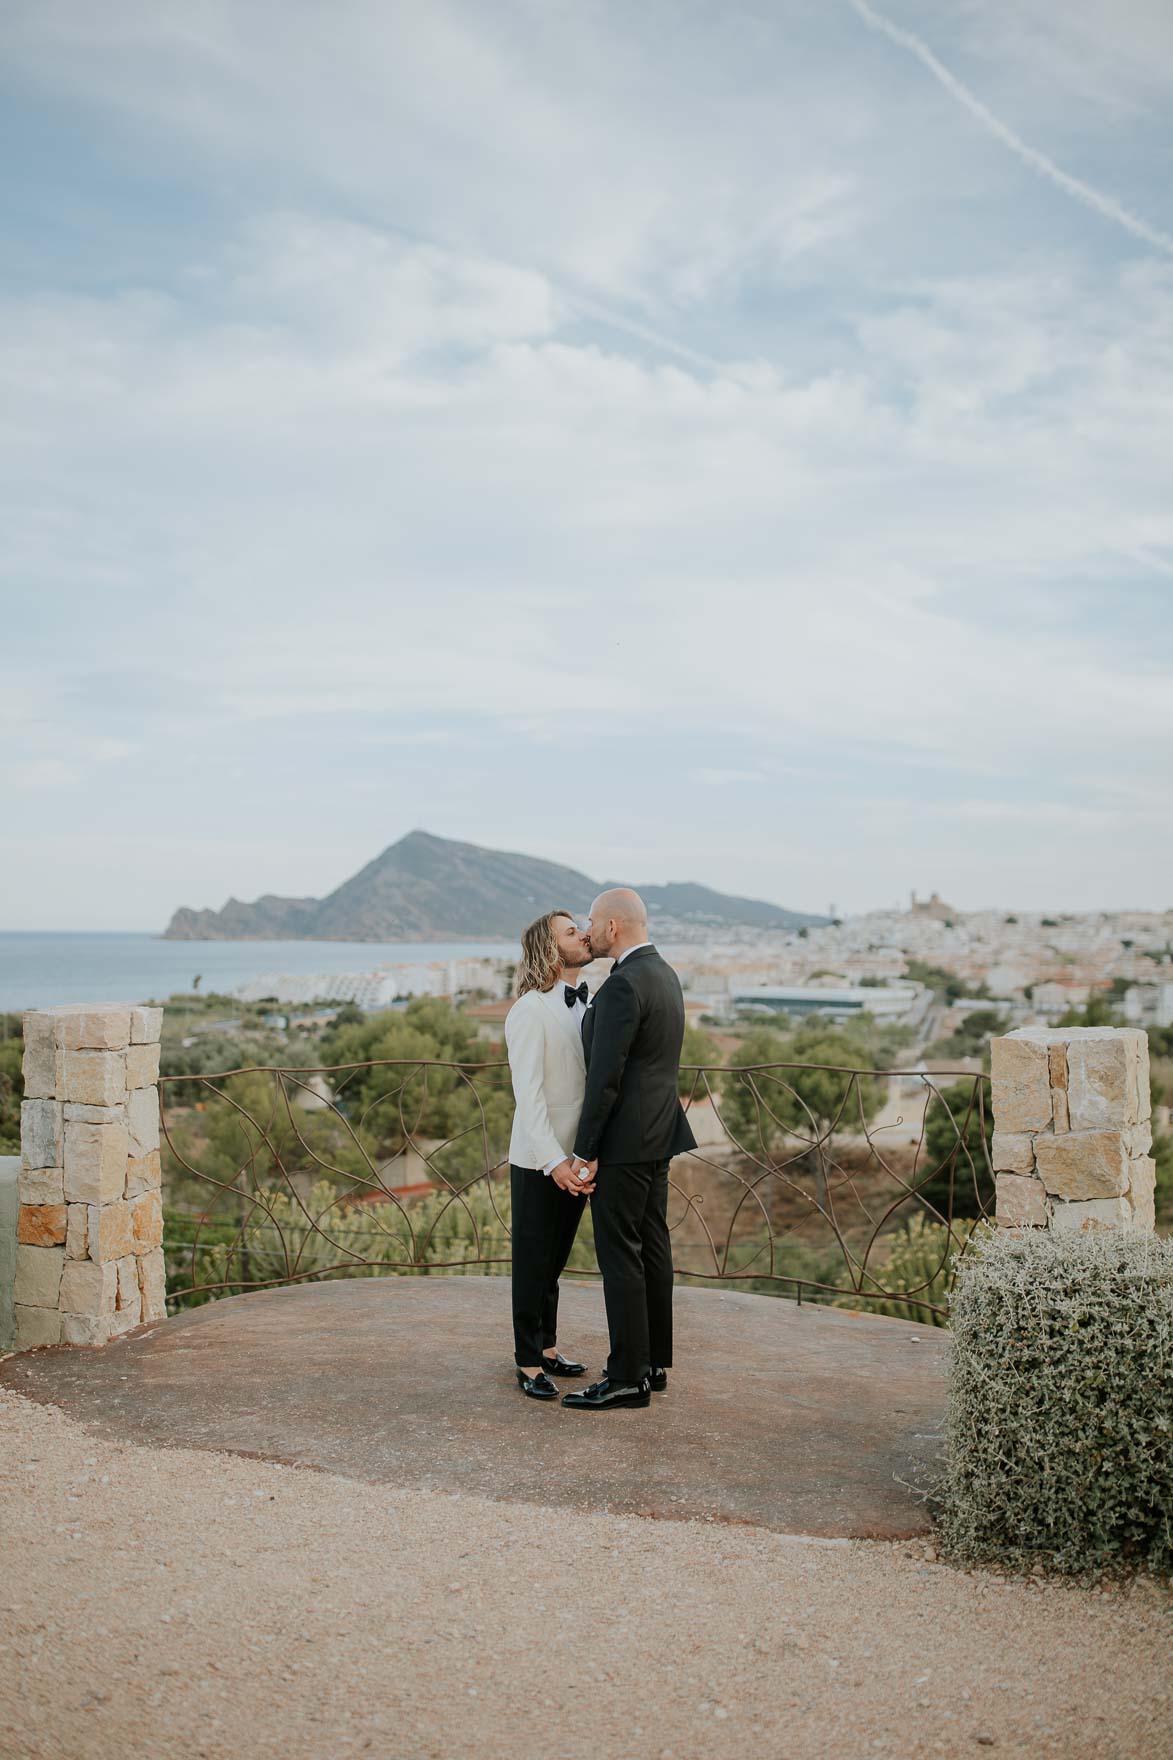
[851, 1186]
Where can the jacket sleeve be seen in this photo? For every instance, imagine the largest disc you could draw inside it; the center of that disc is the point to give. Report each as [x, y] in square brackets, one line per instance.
[616, 1020]
[525, 1040]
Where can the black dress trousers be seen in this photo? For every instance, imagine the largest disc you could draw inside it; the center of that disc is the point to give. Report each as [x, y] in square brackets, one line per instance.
[629, 1211]
[545, 1222]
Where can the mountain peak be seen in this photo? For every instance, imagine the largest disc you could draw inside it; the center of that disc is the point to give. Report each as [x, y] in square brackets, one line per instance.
[429, 888]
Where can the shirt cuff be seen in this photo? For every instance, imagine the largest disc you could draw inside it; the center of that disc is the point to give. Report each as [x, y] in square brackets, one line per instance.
[551, 1165]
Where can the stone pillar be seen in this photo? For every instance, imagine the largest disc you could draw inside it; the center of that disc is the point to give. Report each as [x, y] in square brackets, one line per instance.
[9, 1180]
[1073, 1128]
[89, 1255]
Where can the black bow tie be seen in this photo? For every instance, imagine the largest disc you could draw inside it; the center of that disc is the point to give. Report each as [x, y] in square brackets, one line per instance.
[572, 995]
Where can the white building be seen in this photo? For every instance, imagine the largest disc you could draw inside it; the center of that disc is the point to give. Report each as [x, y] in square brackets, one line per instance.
[887, 1002]
[1149, 1005]
[1051, 997]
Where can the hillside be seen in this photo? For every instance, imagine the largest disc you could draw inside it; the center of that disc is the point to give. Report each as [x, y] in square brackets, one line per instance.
[427, 888]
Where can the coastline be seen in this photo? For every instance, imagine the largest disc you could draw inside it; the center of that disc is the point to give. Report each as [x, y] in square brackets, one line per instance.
[39, 969]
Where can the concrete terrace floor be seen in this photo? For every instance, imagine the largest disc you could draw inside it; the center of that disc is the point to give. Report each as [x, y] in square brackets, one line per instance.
[469, 1573]
[797, 1419]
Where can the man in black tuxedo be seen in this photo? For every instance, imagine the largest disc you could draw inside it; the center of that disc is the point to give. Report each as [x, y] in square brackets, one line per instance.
[631, 1125]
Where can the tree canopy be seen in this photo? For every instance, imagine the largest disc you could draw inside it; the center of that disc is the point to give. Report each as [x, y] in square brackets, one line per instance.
[767, 1109]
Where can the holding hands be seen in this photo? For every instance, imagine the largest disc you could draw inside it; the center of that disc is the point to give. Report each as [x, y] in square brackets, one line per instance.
[586, 1172]
[575, 1176]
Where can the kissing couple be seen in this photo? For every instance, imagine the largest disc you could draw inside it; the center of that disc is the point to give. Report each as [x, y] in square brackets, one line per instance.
[598, 1117]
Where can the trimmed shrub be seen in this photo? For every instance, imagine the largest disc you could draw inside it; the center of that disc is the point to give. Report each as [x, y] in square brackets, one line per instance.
[1060, 1406]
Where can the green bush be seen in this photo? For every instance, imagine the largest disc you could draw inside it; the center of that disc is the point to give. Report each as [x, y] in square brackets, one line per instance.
[428, 1083]
[1060, 1407]
[1162, 1153]
[959, 1128]
[284, 1238]
[779, 1114]
[11, 1083]
[287, 1238]
[972, 1037]
[699, 1049]
[794, 1270]
[918, 1275]
[913, 1283]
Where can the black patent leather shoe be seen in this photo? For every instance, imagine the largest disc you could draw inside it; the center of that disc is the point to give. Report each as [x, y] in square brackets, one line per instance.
[607, 1396]
[557, 1365]
[537, 1386]
[658, 1380]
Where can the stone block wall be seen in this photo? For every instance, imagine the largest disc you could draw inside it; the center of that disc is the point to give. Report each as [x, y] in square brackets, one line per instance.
[1073, 1128]
[9, 1175]
[89, 1253]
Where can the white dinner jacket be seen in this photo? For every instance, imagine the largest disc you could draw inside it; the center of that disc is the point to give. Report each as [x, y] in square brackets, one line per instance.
[548, 1071]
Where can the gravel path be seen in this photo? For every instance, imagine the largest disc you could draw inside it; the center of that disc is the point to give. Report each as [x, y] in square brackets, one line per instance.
[165, 1602]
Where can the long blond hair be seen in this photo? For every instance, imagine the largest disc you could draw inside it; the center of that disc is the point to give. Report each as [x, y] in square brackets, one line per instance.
[540, 960]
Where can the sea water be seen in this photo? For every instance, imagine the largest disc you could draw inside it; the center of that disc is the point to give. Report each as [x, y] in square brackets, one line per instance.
[39, 969]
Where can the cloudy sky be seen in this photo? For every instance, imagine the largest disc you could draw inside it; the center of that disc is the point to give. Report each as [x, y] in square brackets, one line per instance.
[691, 440]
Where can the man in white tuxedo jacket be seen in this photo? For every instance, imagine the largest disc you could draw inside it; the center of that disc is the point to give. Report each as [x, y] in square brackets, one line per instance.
[543, 1034]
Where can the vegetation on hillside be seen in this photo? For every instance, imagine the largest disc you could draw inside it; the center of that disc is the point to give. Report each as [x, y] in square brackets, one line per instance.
[946, 986]
[763, 1109]
[11, 1083]
[700, 1049]
[435, 1080]
[408, 1100]
[972, 1037]
[1098, 1011]
[918, 1276]
[317, 1236]
[955, 1177]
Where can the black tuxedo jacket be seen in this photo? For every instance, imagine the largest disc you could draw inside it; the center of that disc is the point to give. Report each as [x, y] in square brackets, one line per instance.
[632, 1035]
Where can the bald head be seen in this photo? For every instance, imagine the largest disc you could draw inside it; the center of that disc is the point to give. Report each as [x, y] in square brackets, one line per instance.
[619, 920]
[623, 906]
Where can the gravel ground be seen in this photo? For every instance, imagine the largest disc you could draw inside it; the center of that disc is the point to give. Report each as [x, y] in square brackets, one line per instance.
[166, 1602]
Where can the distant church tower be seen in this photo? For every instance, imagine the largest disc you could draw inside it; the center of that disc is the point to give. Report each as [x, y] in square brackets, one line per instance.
[935, 907]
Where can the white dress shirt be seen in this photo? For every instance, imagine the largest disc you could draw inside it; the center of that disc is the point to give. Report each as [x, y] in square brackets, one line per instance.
[577, 1012]
[579, 1008]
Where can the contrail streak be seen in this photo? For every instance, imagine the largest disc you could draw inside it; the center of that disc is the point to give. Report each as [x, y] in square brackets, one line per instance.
[591, 308]
[582, 304]
[1083, 192]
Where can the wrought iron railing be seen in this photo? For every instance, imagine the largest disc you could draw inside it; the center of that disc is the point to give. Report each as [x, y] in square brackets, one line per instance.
[858, 1187]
